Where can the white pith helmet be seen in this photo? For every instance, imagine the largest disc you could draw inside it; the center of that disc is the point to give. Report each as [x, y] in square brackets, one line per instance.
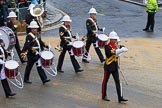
[66, 18]
[33, 24]
[114, 35]
[31, 6]
[92, 11]
[12, 15]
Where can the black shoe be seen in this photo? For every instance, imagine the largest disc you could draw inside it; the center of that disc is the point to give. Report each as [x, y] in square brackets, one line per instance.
[149, 30]
[79, 70]
[145, 29]
[105, 99]
[28, 82]
[59, 70]
[85, 61]
[122, 100]
[47, 80]
[11, 94]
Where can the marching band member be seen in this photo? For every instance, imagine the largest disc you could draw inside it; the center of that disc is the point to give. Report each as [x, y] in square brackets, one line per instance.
[30, 17]
[3, 13]
[34, 46]
[11, 25]
[111, 66]
[66, 44]
[5, 85]
[92, 29]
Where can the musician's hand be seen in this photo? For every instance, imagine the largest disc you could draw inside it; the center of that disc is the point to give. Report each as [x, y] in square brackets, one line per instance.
[34, 50]
[113, 51]
[22, 55]
[46, 46]
[94, 31]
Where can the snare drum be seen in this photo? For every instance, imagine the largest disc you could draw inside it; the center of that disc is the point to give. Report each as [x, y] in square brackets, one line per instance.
[78, 48]
[11, 68]
[8, 36]
[102, 39]
[47, 58]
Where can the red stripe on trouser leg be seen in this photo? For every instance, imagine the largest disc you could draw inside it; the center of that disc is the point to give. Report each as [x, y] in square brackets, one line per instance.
[104, 84]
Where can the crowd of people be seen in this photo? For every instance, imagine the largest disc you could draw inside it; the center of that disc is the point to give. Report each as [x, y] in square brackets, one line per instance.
[34, 45]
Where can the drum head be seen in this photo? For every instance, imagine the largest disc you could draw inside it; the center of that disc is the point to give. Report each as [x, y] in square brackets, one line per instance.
[6, 34]
[102, 37]
[47, 55]
[78, 44]
[11, 64]
[5, 38]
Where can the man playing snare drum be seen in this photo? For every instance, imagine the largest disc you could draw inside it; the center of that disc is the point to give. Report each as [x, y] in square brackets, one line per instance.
[5, 85]
[66, 44]
[92, 29]
[34, 46]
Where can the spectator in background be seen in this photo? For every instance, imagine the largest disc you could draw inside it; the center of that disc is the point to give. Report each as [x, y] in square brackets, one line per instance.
[3, 13]
[152, 8]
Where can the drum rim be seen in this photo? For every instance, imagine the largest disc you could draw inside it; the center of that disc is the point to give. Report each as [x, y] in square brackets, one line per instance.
[6, 64]
[99, 37]
[46, 58]
[79, 44]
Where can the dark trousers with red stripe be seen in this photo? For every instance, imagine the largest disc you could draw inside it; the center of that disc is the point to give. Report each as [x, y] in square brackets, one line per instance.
[115, 75]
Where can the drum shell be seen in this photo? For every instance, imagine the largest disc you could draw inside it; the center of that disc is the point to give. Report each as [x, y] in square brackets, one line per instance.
[102, 40]
[78, 48]
[11, 73]
[78, 51]
[47, 62]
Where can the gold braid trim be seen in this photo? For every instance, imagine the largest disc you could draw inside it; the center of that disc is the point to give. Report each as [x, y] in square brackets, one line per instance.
[111, 59]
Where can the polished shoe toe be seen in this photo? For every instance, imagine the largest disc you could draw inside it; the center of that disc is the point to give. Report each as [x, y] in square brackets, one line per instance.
[61, 71]
[122, 100]
[48, 80]
[28, 82]
[145, 29]
[105, 99]
[79, 70]
[85, 61]
[11, 94]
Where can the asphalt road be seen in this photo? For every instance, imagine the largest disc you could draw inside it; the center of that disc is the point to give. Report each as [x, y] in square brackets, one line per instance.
[83, 90]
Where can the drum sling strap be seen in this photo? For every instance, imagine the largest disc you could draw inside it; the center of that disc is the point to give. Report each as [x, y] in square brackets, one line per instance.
[94, 24]
[111, 59]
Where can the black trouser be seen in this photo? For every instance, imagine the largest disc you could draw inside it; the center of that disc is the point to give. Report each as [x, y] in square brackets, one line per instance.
[6, 87]
[98, 51]
[29, 66]
[72, 57]
[150, 21]
[17, 47]
[115, 75]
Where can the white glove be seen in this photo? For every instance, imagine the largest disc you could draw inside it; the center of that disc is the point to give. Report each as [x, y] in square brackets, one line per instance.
[15, 26]
[120, 51]
[124, 49]
[1, 61]
[12, 53]
[103, 29]
[70, 43]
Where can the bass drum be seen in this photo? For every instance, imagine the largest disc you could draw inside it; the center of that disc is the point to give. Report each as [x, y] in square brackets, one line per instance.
[8, 36]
